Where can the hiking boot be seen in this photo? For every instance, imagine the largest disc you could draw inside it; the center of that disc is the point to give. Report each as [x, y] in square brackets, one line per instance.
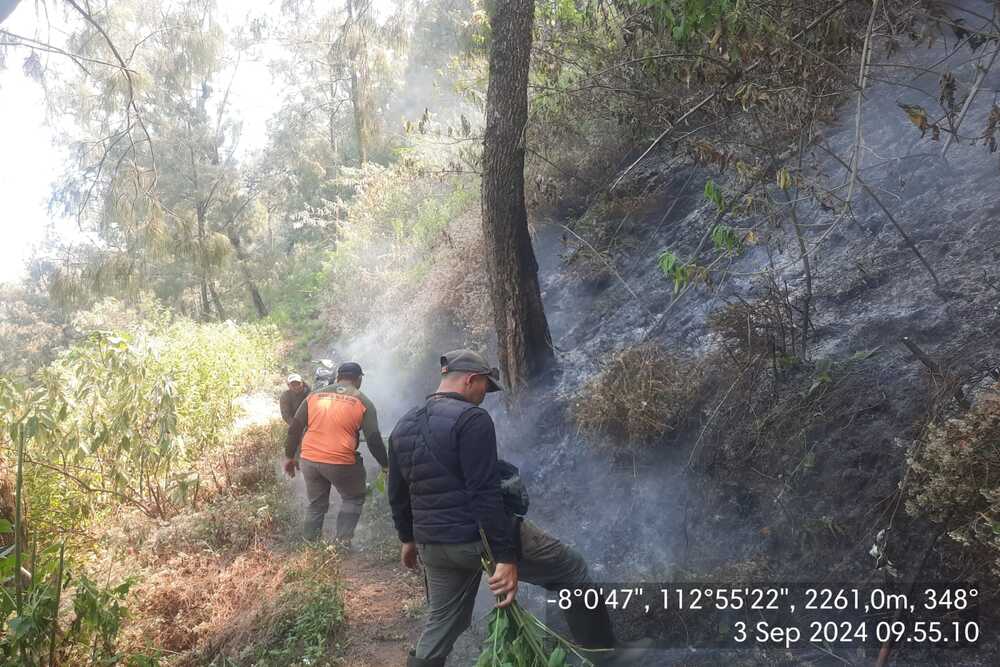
[590, 628]
[414, 661]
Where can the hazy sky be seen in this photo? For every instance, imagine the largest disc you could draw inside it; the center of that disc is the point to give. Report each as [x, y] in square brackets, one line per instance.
[30, 163]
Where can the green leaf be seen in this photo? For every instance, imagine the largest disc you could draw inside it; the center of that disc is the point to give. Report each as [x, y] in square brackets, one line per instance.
[20, 626]
[557, 658]
[714, 195]
[6, 527]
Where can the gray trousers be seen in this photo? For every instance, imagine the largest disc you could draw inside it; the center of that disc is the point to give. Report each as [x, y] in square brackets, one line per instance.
[453, 574]
[349, 480]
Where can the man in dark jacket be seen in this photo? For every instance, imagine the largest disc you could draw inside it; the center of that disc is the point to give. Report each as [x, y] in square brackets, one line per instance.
[292, 397]
[323, 442]
[444, 485]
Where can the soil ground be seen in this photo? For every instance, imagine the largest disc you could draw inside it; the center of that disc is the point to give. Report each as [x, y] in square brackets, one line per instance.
[383, 604]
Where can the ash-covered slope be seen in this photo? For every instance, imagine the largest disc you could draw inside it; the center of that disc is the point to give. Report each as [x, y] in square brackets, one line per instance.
[802, 503]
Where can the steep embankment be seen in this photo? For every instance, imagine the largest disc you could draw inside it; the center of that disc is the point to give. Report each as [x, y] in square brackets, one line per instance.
[797, 470]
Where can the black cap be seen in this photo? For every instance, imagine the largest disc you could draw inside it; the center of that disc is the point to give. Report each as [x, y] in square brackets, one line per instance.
[350, 368]
[467, 361]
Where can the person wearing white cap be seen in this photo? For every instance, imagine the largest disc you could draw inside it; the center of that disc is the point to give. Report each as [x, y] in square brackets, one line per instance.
[292, 397]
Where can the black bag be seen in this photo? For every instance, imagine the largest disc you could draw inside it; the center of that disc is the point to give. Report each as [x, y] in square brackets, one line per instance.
[515, 495]
[512, 489]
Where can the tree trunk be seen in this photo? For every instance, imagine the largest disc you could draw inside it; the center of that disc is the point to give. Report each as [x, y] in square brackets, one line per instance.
[244, 261]
[524, 344]
[359, 74]
[206, 312]
[219, 312]
[332, 106]
[258, 300]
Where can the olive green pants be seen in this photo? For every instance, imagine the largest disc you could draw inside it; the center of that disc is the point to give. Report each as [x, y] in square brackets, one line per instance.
[453, 575]
[349, 480]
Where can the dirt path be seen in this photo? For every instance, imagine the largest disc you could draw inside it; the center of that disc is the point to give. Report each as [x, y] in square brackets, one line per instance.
[383, 603]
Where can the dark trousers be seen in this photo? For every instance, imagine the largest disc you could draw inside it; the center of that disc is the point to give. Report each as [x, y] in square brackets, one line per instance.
[349, 480]
[453, 575]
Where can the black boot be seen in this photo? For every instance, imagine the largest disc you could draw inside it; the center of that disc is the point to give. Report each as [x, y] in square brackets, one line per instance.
[414, 661]
[591, 628]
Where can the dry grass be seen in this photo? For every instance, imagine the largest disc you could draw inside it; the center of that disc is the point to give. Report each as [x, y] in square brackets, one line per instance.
[642, 394]
[770, 325]
[244, 464]
[223, 584]
[199, 607]
[237, 506]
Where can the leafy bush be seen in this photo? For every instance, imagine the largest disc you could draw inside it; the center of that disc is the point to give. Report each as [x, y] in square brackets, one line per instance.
[955, 477]
[210, 366]
[641, 394]
[29, 613]
[129, 417]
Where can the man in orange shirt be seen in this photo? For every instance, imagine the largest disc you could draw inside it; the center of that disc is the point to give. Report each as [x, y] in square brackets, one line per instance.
[324, 435]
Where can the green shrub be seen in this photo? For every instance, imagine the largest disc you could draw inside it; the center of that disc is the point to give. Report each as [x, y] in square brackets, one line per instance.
[127, 418]
[210, 366]
[310, 616]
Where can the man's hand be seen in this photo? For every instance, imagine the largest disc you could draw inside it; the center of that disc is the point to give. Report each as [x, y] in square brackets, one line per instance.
[291, 465]
[503, 583]
[408, 555]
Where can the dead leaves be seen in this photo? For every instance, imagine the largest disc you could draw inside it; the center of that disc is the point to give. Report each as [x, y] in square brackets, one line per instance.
[918, 116]
[989, 136]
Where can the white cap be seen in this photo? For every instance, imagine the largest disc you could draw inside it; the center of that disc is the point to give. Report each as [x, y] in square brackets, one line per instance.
[294, 377]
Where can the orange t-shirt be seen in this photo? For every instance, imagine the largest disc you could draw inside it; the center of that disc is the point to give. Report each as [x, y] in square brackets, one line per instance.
[336, 414]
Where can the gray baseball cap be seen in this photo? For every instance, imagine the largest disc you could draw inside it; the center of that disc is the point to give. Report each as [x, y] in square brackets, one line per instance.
[467, 361]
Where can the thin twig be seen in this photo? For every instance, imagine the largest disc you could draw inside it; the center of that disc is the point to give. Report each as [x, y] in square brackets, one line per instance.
[607, 264]
[906, 237]
[866, 54]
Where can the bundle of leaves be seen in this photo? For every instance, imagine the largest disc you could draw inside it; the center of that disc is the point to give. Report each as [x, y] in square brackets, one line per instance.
[517, 638]
[641, 394]
[956, 477]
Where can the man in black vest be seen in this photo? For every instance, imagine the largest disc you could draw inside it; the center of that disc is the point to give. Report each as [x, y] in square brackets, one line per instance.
[443, 486]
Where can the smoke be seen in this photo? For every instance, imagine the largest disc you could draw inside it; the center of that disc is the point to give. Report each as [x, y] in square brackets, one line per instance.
[633, 520]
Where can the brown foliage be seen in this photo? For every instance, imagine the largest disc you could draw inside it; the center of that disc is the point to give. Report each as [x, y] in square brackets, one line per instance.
[955, 477]
[641, 394]
[200, 605]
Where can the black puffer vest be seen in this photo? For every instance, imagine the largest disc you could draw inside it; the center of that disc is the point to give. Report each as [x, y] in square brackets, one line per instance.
[441, 513]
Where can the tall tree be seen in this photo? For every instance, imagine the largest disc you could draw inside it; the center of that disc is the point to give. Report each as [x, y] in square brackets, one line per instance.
[356, 33]
[174, 224]
[525, 347]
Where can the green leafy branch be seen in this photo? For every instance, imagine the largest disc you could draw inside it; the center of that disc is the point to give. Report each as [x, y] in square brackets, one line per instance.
[518, 639]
